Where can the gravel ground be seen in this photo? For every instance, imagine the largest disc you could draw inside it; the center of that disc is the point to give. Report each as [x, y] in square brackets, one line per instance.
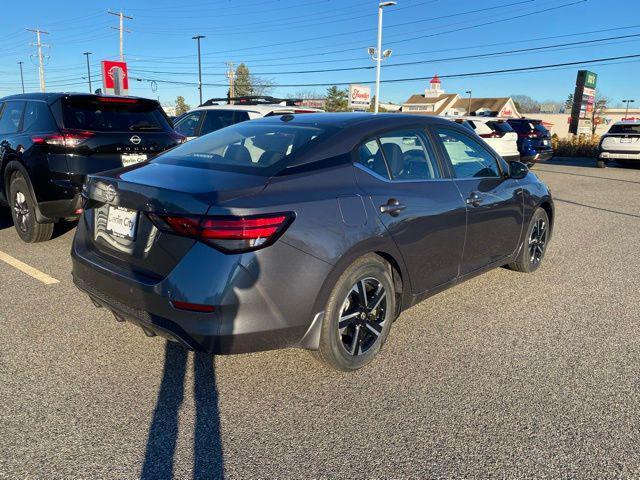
[505, 376]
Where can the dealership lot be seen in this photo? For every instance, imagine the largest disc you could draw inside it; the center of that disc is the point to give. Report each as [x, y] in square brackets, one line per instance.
[506, 375]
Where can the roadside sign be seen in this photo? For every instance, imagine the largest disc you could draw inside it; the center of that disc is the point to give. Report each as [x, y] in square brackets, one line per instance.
[359, 97]
[115, 78]
[584, 98]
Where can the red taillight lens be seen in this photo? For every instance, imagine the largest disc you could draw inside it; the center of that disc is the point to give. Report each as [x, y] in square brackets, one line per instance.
[192, 307]
[491, 135]
[68, 138]
[227, 233]
[117, 100]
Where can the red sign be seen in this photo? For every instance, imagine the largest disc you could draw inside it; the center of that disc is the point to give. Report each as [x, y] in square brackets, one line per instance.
[115, 78]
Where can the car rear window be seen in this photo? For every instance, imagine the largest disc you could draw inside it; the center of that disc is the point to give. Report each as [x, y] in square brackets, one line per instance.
[502, 127]
[101, 115]
[538, 127]
[249, 147]
[630, 128]
[521, 127]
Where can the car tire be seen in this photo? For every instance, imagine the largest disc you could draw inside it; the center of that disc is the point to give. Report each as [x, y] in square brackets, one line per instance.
[535, 244]
[601, 163]
[352, 343]
[23, 211]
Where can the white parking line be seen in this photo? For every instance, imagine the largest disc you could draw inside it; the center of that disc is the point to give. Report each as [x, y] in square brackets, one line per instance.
[23, 267]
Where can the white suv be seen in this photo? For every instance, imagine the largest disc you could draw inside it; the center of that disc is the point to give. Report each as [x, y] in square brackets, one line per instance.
[621, 143]
[212, 116]
[496, 132]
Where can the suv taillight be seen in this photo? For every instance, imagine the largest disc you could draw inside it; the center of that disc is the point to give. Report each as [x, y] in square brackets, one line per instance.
[493, 134]
[68, 138]
[232, 234]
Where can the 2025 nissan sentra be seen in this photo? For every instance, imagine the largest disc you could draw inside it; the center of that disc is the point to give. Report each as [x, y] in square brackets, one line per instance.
[311, 231]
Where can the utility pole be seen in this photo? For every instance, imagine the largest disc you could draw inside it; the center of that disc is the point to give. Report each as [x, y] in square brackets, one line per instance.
[468, 92]
[231, 75]
[39, 44]
[21, 76]
[197, 39]
[86, 54]
[122, 16]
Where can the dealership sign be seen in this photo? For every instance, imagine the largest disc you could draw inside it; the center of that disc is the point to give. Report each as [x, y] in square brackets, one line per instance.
[115, 78]
[359, 97]
[584, 99]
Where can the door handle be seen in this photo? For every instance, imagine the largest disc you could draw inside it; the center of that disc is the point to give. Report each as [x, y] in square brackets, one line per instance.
[474, 199]
[393, 207]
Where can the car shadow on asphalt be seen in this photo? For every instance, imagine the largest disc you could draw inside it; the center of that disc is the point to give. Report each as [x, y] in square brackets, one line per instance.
[163, 433]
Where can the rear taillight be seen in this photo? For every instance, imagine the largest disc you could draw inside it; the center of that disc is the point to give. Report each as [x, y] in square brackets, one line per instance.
[68, 138]
[177, 137]
[492, 135]
[227, 233]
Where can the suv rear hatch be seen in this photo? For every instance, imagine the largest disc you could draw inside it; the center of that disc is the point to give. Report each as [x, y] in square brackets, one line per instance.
[102, 133]
[622, 138]
[117, 225]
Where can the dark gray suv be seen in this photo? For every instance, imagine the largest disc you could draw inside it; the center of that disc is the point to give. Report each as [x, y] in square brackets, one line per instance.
[311, 231]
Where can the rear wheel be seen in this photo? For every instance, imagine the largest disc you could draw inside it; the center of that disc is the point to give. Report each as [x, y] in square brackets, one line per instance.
[535, 244]
[601, 163]
[23, 211]
[358, 315]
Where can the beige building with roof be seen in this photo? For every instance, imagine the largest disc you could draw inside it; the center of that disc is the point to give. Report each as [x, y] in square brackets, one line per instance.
[435, 101]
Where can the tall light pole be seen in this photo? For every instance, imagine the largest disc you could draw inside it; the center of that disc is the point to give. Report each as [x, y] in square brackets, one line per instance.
[86, 54]
[468, 92]
[21, 76]
[197, 39]
[626, 111]
[379, 52]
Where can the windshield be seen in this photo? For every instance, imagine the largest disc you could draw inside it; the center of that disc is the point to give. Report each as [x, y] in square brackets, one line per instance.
[113, 116]
[255, 148]
[628, 128]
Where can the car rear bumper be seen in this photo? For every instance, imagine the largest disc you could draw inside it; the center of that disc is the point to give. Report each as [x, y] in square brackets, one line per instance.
[538, 157]
[255, 308]
[63, 208]
[617, 155]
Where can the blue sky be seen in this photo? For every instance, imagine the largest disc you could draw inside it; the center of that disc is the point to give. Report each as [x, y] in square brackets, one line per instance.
[297, 35]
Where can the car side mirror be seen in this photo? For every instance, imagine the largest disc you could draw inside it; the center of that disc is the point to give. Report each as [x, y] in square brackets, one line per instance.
[518, 170]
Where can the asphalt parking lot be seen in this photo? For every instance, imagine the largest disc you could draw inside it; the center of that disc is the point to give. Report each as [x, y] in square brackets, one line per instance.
[508, 375]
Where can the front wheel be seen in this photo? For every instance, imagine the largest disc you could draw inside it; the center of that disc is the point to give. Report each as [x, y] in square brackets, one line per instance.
[358, 315]
[535, 244]
[23, 211]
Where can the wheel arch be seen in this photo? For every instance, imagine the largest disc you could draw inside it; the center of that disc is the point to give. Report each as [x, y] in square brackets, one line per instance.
[547, 206]
[8, 170]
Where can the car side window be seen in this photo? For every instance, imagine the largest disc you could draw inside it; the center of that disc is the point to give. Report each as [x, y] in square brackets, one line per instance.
[217, 119]
[468, 158]
[37, 118]
[407, 156]
[370, 157]
[11, 116]
[188, 124]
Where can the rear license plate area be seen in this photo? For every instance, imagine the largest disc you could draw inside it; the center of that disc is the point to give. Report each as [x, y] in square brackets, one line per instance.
[133, 158]
[121, 223]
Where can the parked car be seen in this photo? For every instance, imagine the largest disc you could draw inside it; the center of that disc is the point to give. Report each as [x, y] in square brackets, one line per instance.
[50, 142]
[534, 140]
[311, 231]
[621, 143]
[213, 115]
[496, 132]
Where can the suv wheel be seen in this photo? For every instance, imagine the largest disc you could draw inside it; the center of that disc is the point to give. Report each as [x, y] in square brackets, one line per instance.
[358, 315]
[535, 244]
[23, 210]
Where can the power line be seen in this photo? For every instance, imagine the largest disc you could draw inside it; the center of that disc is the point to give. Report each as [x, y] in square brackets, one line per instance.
[121, 28]
[410, 79]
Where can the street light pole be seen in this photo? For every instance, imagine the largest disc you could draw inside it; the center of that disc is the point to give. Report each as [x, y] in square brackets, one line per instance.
[86, 54]
[468, 92]
[197, 39]
[21, 76]
[626, 111]
[381, 5]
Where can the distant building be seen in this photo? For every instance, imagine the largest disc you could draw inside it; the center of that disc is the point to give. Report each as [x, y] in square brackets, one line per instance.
[435, 101]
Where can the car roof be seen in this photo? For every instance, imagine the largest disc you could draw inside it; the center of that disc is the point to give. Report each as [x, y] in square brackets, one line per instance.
[478, 118]
[262, 108]
[628, 122]
[347, 119]
[53, 96]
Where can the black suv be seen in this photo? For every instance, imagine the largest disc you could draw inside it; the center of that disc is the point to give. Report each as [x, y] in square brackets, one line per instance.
[534, 140]
[49, 142]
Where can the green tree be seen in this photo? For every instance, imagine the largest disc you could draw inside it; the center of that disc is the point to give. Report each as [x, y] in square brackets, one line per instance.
[246, 84]
[336, 99]
[181, 105]
[568, 104]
